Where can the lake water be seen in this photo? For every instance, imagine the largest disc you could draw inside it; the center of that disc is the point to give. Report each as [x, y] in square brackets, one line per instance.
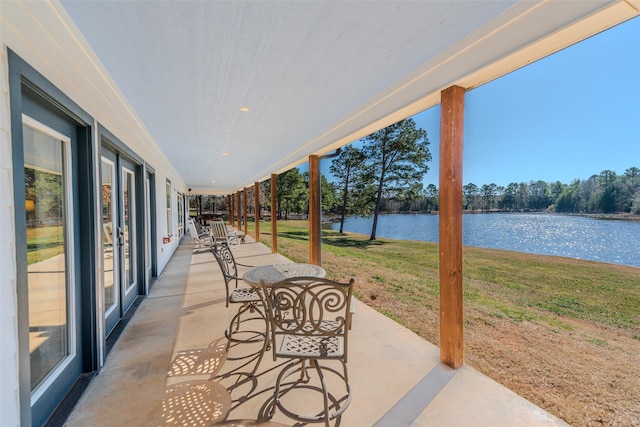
[612, 241]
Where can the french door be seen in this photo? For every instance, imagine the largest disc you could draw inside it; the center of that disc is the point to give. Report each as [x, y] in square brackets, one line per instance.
[52, 286]
[119, 214]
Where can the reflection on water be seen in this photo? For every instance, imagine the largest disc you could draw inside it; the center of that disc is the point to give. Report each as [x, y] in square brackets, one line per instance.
[547, 234]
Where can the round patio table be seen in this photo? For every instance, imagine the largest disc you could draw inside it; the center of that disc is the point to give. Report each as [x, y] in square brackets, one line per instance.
[277, 272]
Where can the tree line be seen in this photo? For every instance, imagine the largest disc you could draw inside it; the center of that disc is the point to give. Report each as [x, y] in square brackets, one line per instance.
[606, 192]
[385, 175]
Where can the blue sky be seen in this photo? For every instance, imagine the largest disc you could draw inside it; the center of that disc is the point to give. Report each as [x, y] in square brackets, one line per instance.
[565, 117]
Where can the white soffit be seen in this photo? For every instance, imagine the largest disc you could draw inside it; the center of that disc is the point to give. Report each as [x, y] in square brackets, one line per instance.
[315, 75]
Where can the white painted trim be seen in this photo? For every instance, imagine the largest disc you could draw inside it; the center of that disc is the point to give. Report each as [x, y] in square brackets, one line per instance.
[10, 388]
[98, 255]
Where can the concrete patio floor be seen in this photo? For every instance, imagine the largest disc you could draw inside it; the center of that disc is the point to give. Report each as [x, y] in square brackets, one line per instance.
[170, 366]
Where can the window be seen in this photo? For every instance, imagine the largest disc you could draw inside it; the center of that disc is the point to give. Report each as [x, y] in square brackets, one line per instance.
[180, 200]
[169, 228]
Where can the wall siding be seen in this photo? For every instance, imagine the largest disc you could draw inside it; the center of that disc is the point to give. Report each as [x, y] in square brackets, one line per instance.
[42, 34]
[9, 391]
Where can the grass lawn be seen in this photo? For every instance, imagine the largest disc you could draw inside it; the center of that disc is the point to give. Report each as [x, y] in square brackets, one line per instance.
[44, 243]
[563, 333]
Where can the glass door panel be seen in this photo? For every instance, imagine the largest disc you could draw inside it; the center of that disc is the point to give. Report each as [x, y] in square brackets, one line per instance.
[129, 228]
[110, 242]
[50, 289]
[109, 237]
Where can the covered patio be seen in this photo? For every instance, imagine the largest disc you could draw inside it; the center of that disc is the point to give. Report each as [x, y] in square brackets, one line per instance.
[170, 367]
[186, 98]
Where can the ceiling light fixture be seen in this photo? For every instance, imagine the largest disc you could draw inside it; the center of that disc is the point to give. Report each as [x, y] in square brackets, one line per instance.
[244, 109]
[225, 154]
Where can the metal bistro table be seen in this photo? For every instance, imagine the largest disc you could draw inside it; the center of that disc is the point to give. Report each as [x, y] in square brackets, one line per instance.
[277, 272]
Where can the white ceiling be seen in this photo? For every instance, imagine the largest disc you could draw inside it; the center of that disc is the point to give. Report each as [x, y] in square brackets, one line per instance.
[316, 75]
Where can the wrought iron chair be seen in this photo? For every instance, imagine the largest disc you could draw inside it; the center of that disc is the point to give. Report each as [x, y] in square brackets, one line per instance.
[247, 297]
[309, 323]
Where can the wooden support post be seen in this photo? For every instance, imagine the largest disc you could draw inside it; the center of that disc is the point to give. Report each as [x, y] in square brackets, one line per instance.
[245, 210]
[239, 210]
[451, 312]
[315, 220]
[256, 203]
[231, 210]
[274, 214]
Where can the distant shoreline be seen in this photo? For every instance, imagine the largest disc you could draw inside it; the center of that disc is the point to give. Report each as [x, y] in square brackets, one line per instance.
[618, 216]
[613, 216]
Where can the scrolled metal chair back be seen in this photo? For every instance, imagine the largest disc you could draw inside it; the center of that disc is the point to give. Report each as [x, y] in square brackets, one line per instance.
[309, 307]
[227, 264]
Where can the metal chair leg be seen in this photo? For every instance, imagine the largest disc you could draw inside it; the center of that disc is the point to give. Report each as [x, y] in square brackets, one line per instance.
[325, 392]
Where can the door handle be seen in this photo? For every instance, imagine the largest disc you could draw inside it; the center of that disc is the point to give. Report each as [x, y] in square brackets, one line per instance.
[120, 237]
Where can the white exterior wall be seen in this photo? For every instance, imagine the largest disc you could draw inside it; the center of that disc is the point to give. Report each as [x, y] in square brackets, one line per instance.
[43, 35]
[9, 387]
